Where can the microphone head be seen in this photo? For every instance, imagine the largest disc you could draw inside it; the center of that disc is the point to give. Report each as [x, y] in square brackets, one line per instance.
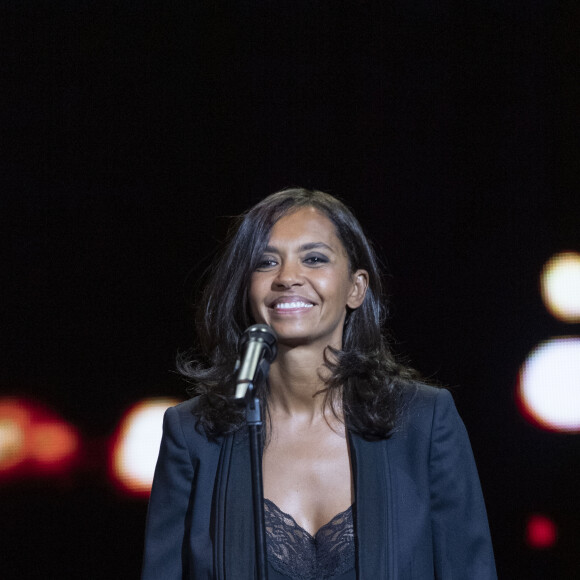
[261, 333]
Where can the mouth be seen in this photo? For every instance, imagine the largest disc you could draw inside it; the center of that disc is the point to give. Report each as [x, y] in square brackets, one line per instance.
[290, 303]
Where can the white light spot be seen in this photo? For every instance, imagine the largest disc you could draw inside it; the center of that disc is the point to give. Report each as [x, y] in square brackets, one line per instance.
[135, 451]
[560, 286]
[549, 385]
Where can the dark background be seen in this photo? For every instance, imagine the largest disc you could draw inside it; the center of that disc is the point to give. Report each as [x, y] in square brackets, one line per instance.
[131, 130]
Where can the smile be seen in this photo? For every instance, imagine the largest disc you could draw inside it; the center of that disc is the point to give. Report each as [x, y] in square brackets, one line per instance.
[292, 305]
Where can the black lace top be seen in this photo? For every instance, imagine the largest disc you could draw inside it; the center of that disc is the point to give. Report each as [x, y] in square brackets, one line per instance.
[294, 553]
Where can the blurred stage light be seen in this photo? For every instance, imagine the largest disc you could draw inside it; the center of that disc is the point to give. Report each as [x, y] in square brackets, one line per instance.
[52, 444]
[135, 446]
[560, 286]
[33, 440]
[548, 390]
[541, 532]
[15, 419]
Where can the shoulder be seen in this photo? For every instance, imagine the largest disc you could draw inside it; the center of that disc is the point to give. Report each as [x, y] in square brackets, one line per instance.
[420, 396]
[183, 413]
[423, 405]
[183, 419]
[187, 408]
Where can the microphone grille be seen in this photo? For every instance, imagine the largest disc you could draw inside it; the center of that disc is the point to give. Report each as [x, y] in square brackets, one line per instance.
[260, 333]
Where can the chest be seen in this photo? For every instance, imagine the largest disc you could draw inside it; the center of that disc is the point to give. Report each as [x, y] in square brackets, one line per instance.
[309, 476]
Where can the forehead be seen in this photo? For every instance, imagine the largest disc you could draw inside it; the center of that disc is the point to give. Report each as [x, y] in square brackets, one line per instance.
[306, 224]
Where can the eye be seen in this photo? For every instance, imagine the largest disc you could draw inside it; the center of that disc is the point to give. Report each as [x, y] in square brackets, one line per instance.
[315, 259]
[265, 263]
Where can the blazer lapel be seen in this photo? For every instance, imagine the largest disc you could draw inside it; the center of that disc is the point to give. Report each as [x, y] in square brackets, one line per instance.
[234, 544]
[374, 521]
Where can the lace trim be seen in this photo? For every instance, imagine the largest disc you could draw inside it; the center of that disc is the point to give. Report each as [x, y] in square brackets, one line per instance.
[294, 552]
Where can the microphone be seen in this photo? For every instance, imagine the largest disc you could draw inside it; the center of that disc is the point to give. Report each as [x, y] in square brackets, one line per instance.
[257, 350]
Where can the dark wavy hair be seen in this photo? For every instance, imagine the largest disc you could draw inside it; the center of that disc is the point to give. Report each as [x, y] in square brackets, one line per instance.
[365, 376]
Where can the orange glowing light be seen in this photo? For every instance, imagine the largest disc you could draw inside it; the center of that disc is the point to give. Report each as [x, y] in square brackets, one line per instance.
[11, 444]
[53, 443]
[33, 440]
[14, 424]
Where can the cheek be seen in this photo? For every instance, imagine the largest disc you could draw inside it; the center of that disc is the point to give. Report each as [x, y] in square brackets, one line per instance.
[340, 288]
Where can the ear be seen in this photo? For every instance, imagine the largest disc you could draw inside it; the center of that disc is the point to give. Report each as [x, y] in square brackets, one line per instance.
[360, 283]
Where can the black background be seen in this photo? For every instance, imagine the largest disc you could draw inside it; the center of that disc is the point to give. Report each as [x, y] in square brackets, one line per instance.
[131, 130]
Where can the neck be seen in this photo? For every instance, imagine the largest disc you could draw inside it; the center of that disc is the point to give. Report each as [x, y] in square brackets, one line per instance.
[296, 376]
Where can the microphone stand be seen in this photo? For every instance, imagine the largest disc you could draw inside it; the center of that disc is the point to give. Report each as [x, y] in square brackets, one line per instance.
[254, 422]
[258, 345]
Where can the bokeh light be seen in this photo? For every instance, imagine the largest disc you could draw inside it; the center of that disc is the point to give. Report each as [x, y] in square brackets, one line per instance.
[52, 443]
[560, 286]
[15, 419]
[34, 441]
[135, 446]
[541, 532]
[548, 390]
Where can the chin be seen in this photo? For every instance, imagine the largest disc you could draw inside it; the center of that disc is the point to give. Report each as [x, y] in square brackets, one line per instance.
[292, 342]
[289, 336]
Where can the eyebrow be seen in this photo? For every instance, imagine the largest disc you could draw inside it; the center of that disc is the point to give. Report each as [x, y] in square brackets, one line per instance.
[304, 247]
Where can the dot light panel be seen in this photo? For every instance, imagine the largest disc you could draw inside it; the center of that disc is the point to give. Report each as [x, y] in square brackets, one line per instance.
[548, 389]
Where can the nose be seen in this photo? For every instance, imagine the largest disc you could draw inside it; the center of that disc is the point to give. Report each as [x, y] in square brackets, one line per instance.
[288, 275]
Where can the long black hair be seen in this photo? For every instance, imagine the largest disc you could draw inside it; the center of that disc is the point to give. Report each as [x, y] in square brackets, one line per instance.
[365, 375]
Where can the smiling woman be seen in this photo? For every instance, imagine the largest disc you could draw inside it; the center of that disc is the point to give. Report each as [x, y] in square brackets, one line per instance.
[367, 472]
[303, 285]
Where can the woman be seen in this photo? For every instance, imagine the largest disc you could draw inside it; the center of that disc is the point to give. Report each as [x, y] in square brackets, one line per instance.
[367, 473]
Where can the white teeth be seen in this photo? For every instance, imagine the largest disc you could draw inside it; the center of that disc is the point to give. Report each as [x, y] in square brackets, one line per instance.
[290, 305]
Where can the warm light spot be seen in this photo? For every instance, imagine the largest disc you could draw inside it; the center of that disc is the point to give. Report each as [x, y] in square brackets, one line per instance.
[53, 443]
[34, 440]
[541, 532]
[548, 390]
[12, 450]
[560, 286]
[15, 418]
[136, 445]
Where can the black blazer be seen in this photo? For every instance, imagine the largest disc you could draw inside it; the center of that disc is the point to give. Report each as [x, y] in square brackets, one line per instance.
[419, 510]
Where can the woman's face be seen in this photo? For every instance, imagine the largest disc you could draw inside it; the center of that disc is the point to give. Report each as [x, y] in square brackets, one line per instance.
[303, 284]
